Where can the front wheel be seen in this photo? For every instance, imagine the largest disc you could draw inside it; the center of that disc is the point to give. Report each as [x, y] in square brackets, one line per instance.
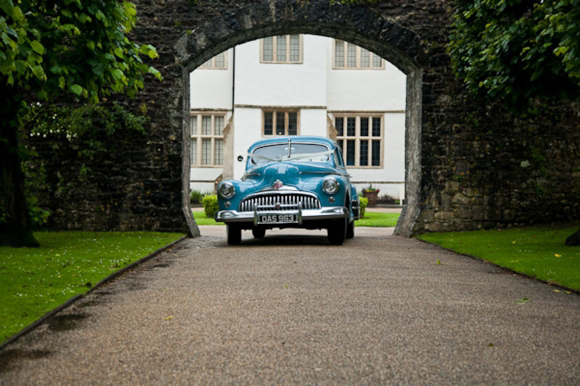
[259, 233]
[234, 234]
[337, 232]
[350, 230]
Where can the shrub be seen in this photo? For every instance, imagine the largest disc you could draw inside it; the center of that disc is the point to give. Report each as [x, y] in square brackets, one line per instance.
[387, 199]
[210, 206]
[196, 197]
[363, 206]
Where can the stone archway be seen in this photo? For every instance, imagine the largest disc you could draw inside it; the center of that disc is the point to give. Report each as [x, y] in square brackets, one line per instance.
[366, 28]
[470, 165]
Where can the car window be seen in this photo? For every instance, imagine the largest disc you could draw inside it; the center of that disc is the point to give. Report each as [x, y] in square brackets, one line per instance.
[290, 152]
[338, 158]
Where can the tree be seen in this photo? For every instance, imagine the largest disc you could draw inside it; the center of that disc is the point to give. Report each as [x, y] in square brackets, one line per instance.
[54, 47]
[518, 51]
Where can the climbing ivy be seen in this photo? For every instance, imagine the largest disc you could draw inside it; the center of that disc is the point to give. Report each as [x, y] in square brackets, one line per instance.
[517, 50]
[84, 134]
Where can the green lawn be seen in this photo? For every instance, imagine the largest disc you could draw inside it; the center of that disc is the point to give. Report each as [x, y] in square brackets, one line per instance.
[378, 219]
[201, 219]
[371, 219]
[34, 281]
[536, 251]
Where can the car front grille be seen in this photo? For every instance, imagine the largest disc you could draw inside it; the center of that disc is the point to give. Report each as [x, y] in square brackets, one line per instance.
[279, 201]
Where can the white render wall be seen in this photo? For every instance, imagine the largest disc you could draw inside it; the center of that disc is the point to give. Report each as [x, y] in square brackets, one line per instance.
[270, 84]
[364, 90]
[392, 177]
[248, 129]
[317, 89]
[212, 88]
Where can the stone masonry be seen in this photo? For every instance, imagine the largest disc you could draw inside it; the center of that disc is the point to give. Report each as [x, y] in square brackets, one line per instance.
[469, 165]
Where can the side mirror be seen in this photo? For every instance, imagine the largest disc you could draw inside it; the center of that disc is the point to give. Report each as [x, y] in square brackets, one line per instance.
[240, 158]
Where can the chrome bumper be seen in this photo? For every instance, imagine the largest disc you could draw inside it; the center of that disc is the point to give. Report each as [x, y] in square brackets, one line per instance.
[327, 213]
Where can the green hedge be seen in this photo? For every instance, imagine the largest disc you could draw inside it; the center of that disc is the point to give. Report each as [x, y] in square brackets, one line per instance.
[210, 206]
[196, 197]
[363, 206]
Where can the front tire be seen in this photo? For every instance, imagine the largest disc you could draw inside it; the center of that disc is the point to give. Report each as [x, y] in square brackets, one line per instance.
[337, 232]
[234, 234]
[259, 233]
[350, 230]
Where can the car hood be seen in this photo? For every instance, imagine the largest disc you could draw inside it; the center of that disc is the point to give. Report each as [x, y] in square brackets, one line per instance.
[299, 175]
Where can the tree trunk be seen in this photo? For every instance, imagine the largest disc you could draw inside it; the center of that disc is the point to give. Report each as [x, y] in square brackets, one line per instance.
[574, 240]
[15, 222]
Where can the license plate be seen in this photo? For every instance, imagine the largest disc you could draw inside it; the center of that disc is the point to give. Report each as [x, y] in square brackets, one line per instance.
[277, 219]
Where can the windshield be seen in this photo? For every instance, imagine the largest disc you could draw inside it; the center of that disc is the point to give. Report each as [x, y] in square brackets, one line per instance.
[290, 152]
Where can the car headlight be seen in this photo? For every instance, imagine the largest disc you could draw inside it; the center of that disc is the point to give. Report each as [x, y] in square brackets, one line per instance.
[330, 185]
[227, 190]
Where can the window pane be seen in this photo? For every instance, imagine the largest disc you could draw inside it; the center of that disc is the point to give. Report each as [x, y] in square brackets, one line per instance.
[338, 53]
[365, 58]
[350, 152]
[268, 49]
[208, 63]
[364, 127]
[280, 123]
[339, 125]
[220, 60]
[206, 125]
[376, 127]
[281, 48]
[351, 55]
[292, 124]
[268, 123]
[294, 48]
[377, 61]
[351, 127]
[219, 152]
[206, 151]
[219, 125]
[364, 153]
[193, 152]
[376, 156]
[193, 125]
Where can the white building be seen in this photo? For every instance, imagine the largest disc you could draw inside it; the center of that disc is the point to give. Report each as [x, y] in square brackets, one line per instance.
[299, 85]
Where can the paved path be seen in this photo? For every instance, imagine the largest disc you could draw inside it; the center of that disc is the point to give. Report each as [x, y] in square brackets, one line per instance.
[294, 310]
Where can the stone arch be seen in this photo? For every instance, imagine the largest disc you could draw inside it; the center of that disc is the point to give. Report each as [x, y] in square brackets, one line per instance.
[363, 26]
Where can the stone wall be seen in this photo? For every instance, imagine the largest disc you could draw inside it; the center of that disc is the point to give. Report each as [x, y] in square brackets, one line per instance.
[127, 183]
[468, 165]
[488, 169]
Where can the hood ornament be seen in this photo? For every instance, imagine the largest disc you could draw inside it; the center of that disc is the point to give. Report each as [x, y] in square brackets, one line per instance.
[277, 184]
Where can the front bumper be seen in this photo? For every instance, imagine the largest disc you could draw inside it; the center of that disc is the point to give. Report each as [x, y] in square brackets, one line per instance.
[302, 215]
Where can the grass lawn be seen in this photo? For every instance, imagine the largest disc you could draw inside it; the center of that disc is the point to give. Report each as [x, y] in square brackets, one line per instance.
[371, 219]
[378, 219]
[34, 281]
[536, 251]
[201, 219]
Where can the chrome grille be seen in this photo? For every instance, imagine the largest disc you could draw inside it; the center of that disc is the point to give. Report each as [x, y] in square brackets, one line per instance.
[285, 200]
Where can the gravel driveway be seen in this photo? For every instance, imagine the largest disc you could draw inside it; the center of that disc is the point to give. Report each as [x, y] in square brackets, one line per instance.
[291, 309]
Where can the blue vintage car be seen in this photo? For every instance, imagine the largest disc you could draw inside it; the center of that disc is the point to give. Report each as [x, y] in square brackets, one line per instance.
[290, 182]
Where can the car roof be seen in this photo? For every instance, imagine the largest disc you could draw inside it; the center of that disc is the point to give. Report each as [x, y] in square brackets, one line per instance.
[296, 139]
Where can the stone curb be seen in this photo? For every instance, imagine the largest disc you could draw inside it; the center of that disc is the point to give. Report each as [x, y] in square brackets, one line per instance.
[46, 317]
[521, 274]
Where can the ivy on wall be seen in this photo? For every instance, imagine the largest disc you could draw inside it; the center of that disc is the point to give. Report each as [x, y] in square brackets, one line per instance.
[77, 137]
